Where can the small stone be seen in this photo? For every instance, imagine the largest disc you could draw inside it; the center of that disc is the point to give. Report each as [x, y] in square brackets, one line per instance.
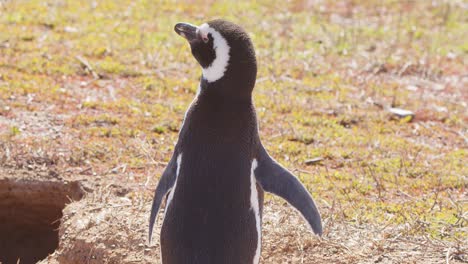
[69, 29]
[401, 113]
[451, 56]
[412, 87]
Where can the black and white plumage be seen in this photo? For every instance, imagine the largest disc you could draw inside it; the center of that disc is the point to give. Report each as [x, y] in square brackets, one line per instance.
[215, 179]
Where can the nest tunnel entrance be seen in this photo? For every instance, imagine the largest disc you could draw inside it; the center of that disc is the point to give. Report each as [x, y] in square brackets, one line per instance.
[30, 213]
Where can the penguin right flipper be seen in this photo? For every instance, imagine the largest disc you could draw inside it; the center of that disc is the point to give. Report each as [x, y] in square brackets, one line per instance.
[277, 180]
[165, 184]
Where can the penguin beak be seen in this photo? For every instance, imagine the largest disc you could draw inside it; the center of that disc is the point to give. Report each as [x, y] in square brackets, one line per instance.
[188, 31]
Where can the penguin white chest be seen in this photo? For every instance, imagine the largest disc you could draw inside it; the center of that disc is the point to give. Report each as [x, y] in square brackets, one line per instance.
[255, 207]
[172, 190]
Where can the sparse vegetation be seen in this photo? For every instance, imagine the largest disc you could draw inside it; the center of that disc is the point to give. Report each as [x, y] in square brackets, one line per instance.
[327, 72]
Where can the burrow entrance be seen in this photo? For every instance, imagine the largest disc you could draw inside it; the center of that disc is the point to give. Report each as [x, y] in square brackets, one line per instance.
[30, 213]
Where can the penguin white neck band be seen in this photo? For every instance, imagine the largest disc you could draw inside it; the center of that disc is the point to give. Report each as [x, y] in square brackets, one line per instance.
[216, 69]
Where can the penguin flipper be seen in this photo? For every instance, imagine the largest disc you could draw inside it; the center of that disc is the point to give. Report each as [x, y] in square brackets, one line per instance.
[165, 184]
[277, 180]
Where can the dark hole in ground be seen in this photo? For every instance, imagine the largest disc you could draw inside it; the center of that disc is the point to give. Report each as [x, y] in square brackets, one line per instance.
[30, 213]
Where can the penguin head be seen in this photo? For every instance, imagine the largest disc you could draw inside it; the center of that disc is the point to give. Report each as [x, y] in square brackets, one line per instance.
[225, 53]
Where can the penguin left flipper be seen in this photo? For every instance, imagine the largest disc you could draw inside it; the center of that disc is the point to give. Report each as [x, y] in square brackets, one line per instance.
[165, 184]
[277, 180]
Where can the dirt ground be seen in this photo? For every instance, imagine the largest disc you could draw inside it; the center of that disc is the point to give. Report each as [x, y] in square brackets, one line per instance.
[105, 222]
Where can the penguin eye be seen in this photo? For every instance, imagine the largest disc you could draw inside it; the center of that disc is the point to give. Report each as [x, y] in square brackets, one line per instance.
[205, 38]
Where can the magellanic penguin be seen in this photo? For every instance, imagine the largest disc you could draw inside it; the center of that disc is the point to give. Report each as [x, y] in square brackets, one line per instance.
[215, 180]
